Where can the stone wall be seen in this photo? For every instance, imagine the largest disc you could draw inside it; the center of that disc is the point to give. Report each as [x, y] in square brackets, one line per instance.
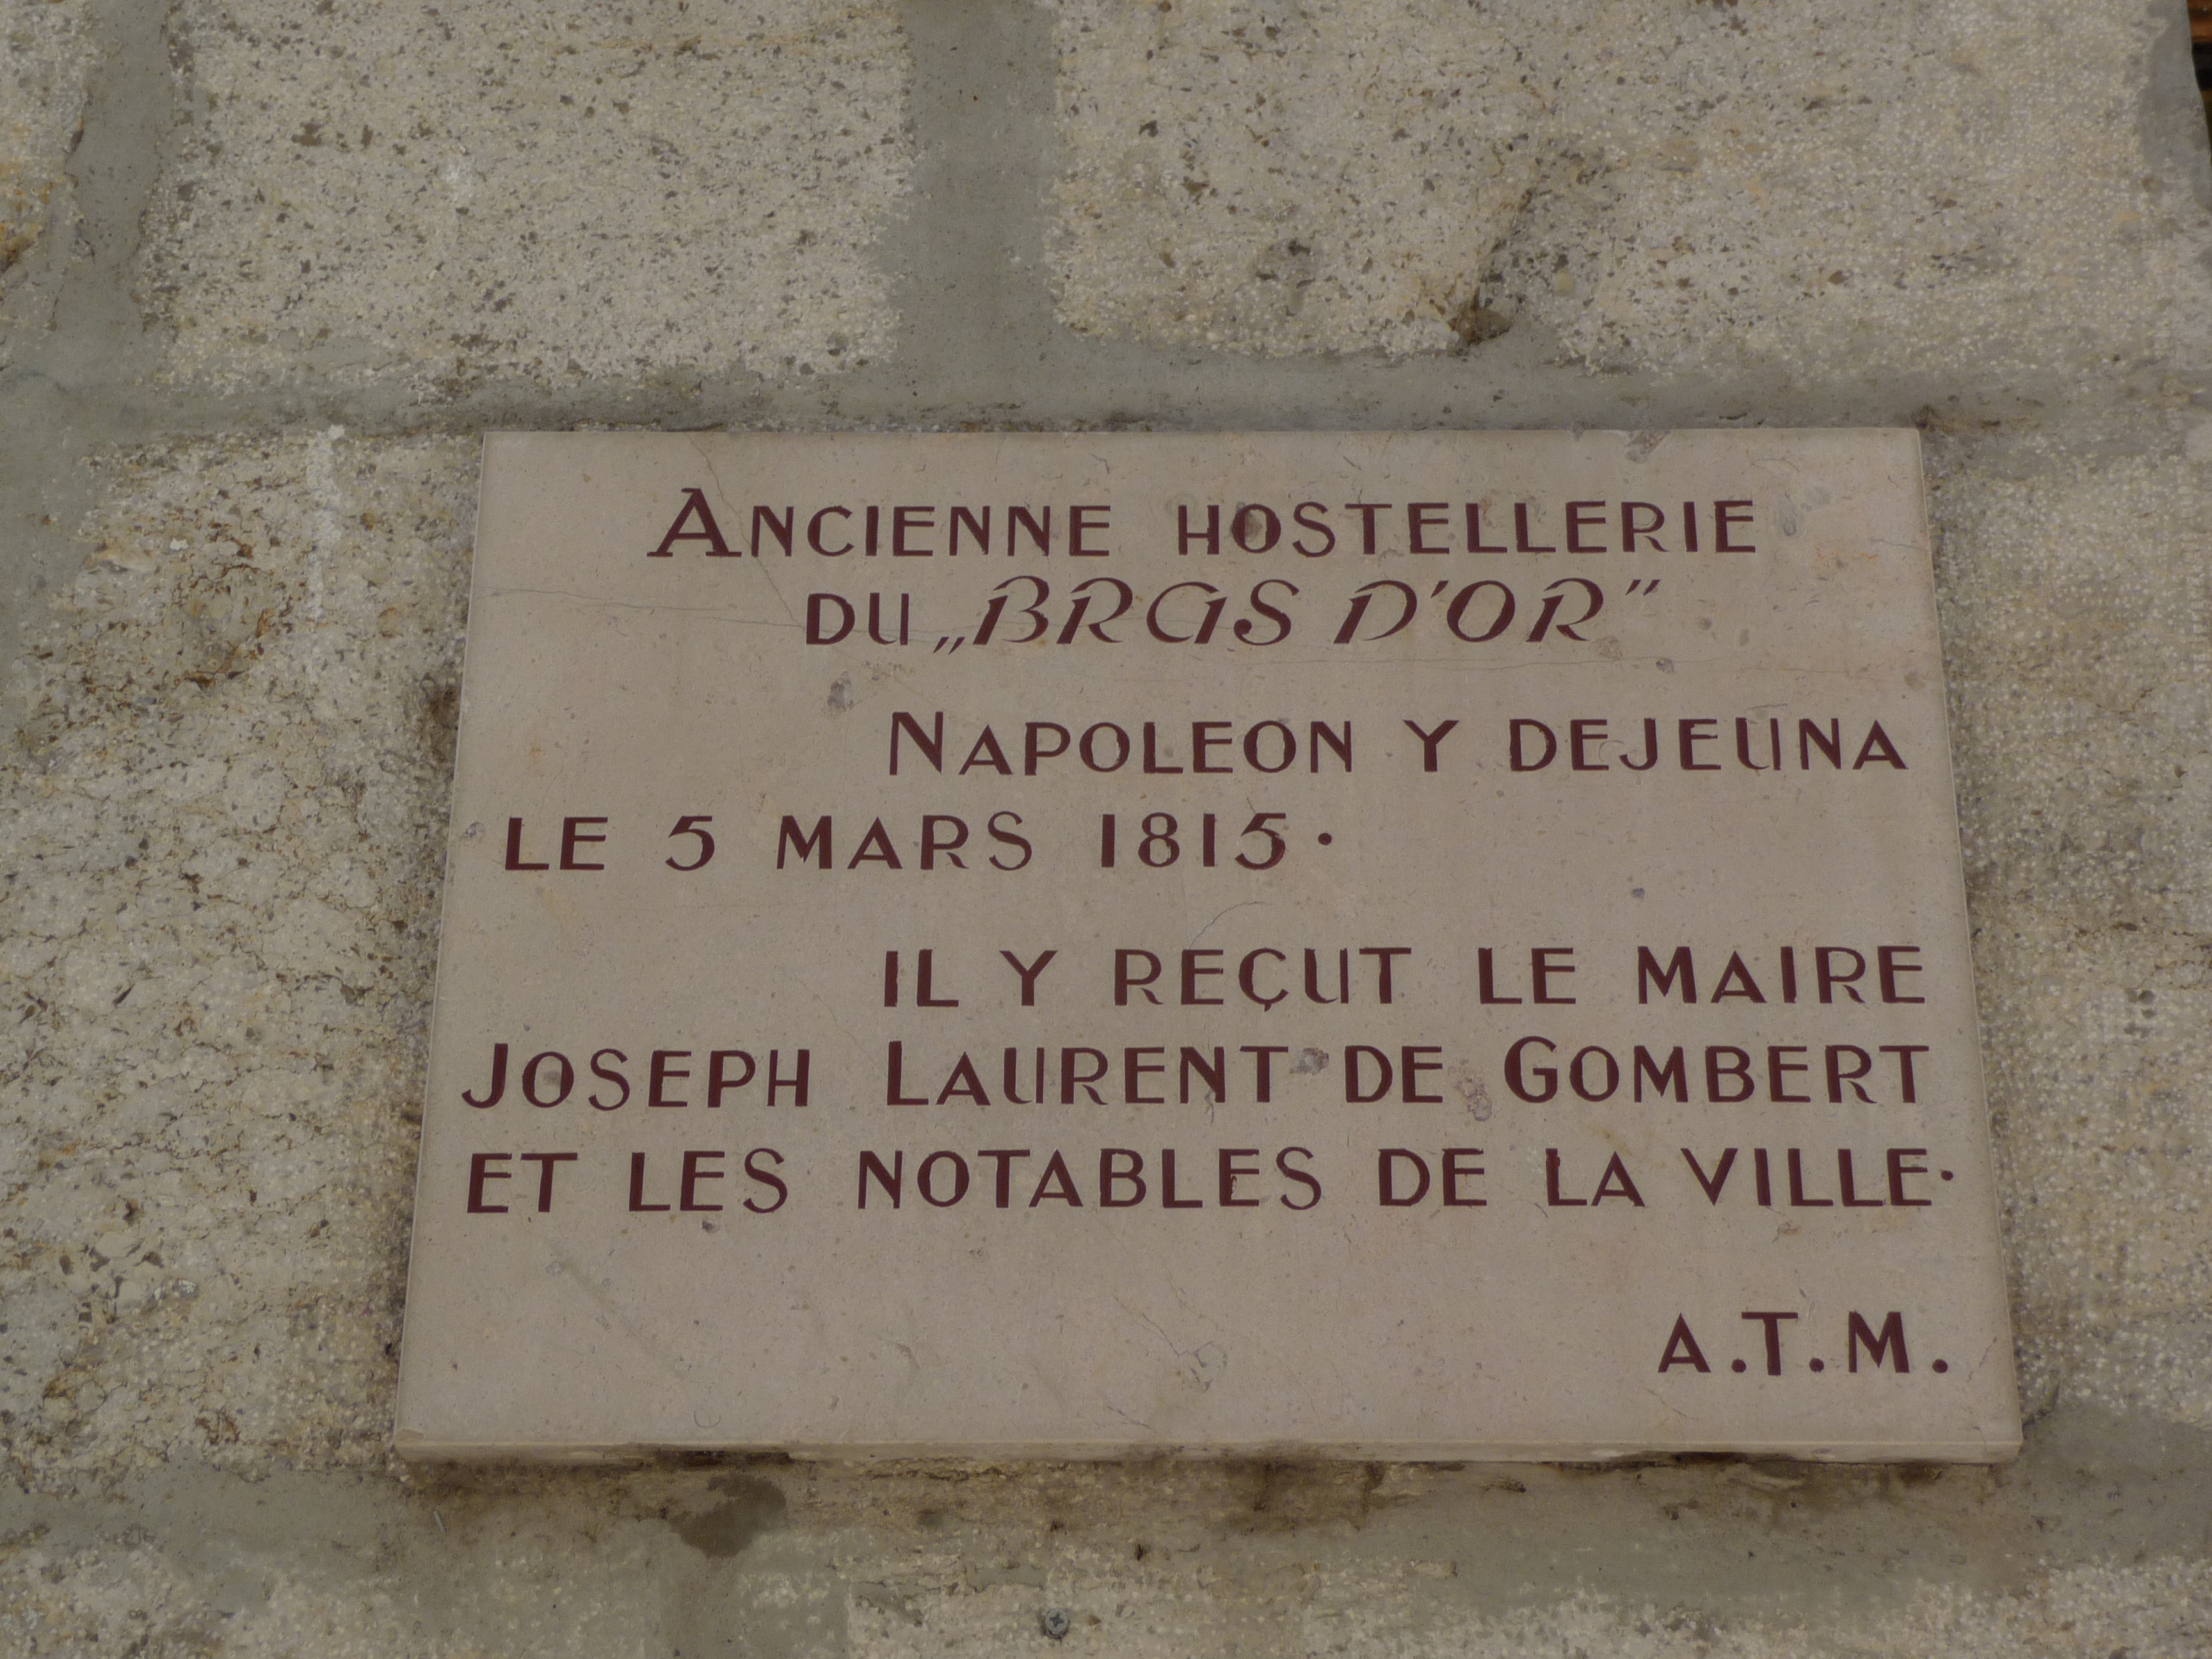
[264, 270]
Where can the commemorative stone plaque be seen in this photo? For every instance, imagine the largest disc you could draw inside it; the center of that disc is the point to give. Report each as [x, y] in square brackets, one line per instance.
[1390, 945]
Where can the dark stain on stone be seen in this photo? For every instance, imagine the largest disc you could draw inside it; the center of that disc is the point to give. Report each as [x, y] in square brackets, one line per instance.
[745, 1508]
[1475, 322]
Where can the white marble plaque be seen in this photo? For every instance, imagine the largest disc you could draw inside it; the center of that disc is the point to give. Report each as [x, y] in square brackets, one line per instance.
[1380, 946]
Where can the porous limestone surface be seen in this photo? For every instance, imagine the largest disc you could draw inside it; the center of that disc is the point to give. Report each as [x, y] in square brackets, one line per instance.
[44, 57]
[1135, 1561]
[218, 912]
[1931, 186]
[2077, 595]
[552, 190]
[1291, 178]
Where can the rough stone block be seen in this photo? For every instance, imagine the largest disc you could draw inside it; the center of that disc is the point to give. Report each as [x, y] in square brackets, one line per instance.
[1144, 1561]
[551, 191]
[2072, 585]
[1704, 184]
[1277, 179]
[218, 878]
[45, 52]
